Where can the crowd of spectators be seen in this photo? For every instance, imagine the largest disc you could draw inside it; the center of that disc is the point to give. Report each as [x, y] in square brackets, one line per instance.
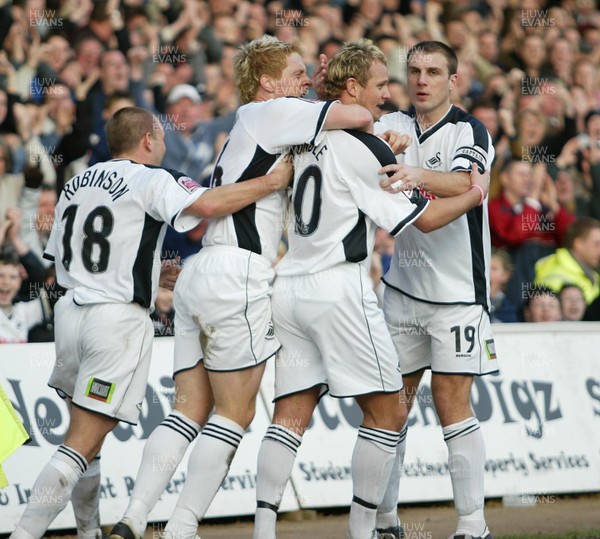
[529, 70]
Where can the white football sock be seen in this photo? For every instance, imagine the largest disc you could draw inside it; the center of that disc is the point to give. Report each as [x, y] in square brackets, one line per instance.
[275, 462]
[51, 492]
[85, 498]
[372, 461]
[163, 452]
[466, 462]
[387, 512]
[208, 465]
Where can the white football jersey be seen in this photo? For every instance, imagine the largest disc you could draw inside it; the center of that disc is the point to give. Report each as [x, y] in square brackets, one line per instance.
[449, 265]
[109, 227]
[337, 204]
[262, 131]
[25, 315]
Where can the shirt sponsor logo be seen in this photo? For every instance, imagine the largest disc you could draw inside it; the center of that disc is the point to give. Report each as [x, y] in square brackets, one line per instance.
[100, 390]
[490, 348]
[188, 184]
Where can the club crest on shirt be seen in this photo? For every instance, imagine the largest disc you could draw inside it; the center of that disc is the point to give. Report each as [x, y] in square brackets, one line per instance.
[434, 162]
[100, 390]
[270, 332]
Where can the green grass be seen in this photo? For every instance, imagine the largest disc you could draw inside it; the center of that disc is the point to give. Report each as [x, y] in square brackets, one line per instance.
[588, 534]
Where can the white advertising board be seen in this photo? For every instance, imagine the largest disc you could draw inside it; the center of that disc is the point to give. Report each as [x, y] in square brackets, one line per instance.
[24, 371]
[540, 418]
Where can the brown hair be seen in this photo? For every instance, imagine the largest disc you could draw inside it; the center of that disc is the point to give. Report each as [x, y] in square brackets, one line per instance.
[126, 128]
[430, 47]
[580, 228]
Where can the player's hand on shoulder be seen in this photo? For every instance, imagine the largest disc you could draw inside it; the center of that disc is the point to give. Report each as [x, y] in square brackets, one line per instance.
[397, 141]
[169, 272]
[404, 178]
[283, 173]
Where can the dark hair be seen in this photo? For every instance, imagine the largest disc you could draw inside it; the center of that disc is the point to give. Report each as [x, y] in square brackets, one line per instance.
[7, 155]
[9, 258]
[483, 103]
[431, 47]
[579, 228]
[117, 96]
[537, 290]
[590, 115]
[570, 285]
[126, 128]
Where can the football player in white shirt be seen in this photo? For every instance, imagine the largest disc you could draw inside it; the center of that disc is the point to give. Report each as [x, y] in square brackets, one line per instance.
[324, 307]
[436, 301]
[105, 242]
[222, 298]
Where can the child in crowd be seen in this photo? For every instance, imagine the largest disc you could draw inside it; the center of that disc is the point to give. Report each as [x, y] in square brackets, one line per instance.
[501, 308]
[15, 319]
[572, 302]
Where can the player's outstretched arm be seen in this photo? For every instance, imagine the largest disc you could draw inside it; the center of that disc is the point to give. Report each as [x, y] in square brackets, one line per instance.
[442, 211]
[349, 117]
[228, 199]
[441, 184]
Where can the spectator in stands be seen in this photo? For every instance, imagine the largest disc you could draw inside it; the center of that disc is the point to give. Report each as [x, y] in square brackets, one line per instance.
[499, 124]
[502, 309]
[562, 57]
[17, 319]
[88, 53]
[576, 262]
[190, 142]
[163, 316]
[572, 302]
[581, 157]
[117, 75]
[585, 76]
[115, 102]
[12, 244]
[527, 220]
[541, 305]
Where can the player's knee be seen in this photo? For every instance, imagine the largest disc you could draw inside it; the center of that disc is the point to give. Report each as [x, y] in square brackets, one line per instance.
[397, 418]
[198, 412]
[403, 415]
[385, 413]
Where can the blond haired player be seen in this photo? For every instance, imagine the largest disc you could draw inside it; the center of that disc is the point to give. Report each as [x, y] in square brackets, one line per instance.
[325, 311]
[222, 298]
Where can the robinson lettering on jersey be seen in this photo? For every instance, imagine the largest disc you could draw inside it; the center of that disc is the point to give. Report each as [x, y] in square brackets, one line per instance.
[97, 178]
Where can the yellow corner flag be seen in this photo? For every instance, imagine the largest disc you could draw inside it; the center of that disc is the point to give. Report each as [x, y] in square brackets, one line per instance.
[14, 434]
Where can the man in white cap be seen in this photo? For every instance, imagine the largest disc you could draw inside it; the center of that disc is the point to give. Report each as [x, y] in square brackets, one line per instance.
[190, 142]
